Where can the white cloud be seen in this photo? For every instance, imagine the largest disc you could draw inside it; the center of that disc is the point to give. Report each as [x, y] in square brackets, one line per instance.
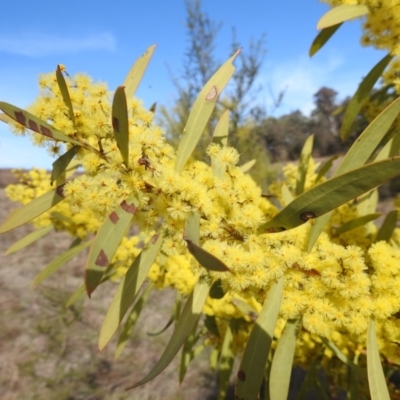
[300, 79]
[38, 44]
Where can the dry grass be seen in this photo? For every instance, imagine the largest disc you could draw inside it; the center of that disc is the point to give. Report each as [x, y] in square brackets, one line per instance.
[49, 352]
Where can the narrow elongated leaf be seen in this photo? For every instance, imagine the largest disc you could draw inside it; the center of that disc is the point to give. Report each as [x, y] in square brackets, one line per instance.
[342, 357]
[137, 71]
[356, 223]
[153, 107]
[361, 150]
[127, 290]
[59, 261]
[326, 166]
[78, 294]
[303, 164]
[226, 360]
[376, 379]
[395, 147]
[206, 259]
[385, 151]
[130, 323]
[256, 353]
[5, 118]
[267, 373]
[221, 130]
[211, 324]
[310, 378]
[191, 236]
[214, 357]
[174, 315]
[29, 239]
[189, 316]
[246, 167]
[193, 354]
[281, 369]
[216, 291]
[389, 224]
[120, 123]
[367, 204]
[341, 14]
[192, 229]
[220, 137]
[81, 291]
[65, 93]
[201, 112]
[369, 140]
[333, 193]
[35, 124]
[187, 354]
[107, 241]
[353, 385]
[62, 162]
[30, 211]
[167, 325]
[57, 216]
[287, 195]
[322, 38]
[245, 308]
[361, 95]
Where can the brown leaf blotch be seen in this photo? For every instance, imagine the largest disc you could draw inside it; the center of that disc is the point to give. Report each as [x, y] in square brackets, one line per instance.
[33, 125]
[102, 259]
[20, 117]
[114, 217]
[46, 131]
[60, 190]
[241, 376]
[115, 123]
[305, 216]
[129, 208]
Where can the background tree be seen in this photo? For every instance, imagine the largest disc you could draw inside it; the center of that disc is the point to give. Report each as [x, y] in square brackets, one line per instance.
[199, 65]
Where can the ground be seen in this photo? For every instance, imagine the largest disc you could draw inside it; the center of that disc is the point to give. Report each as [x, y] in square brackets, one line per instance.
[50, 352]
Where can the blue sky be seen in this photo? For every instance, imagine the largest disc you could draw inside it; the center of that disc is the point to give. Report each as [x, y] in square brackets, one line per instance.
[104, 38]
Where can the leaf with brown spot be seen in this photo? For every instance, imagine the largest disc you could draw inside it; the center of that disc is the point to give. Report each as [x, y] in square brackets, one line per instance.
[120, 123]
[129, 208]
[106, 243]
[34, 123]
[201, 112]
[102, 259]
[114, 218]
[331, 194]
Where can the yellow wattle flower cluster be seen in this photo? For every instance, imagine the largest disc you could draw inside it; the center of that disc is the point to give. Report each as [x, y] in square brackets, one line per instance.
[381, 29]
[290, 171]
[335, 288]
[64, 216]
